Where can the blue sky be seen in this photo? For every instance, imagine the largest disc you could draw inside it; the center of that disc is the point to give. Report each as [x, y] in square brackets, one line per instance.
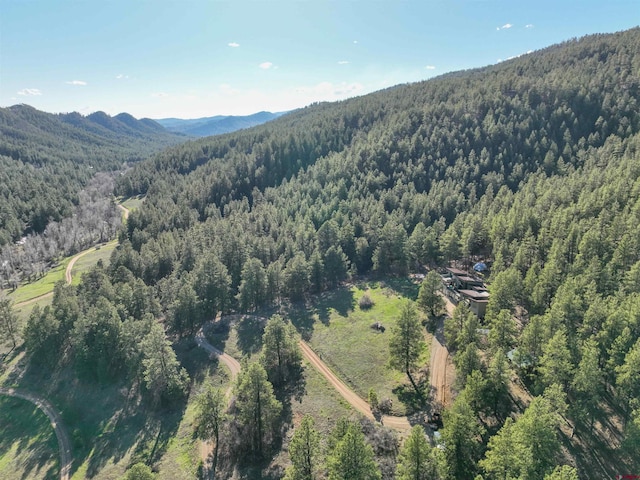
[194, 58]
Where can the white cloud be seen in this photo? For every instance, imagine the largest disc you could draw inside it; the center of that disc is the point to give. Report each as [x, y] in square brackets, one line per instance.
[506, 26]
[355, 41]
[30, 92]
[343, 62]
[120, 76]
[76, 82]
[233, 44]
[528, 25]
[430, 67]
[266, 65]
[159, 94]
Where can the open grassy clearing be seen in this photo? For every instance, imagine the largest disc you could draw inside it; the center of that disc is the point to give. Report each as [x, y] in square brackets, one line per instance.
[28, 445]
[340, 332]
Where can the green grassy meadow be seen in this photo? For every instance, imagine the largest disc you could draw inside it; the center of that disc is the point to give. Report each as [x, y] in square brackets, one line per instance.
[340, 332]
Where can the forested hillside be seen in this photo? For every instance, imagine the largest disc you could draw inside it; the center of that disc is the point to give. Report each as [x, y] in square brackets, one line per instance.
[46, 159]
[532, 163]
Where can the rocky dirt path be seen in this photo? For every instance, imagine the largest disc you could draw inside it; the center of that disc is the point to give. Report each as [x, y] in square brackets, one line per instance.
[56, 422]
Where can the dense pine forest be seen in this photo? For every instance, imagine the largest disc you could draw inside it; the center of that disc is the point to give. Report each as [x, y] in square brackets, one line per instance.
[532, 164]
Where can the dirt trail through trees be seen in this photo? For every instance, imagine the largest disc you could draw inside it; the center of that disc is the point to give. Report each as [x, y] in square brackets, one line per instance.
[228, 360]
[56, 422]
[400, 424]
[206, 447]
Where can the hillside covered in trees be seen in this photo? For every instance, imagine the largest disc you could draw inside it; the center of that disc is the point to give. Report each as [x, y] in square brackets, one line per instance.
[532, 163]
[46, 159]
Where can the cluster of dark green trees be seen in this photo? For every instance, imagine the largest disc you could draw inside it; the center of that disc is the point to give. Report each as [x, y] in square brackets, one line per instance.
[533, 162]
[46, 159]
[251, 428]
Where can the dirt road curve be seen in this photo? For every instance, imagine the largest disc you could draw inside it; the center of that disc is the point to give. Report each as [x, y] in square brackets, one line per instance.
[67, 273]
[397, 423]
[67, 276]
[228, 360]
[56, 422]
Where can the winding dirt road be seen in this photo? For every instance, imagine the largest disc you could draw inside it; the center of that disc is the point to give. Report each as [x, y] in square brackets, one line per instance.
[56, 422]
[67, 276]
[400, 424]
[228, 360]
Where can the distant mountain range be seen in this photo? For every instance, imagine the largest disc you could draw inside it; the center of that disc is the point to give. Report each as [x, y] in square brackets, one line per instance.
[48, 130]
[219, 124]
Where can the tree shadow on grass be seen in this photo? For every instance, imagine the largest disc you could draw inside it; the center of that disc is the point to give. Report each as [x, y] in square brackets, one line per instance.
[320, 307]
[105, 421]
[147, 432]
[249, 331]
[22, 421]
[403, 286]
[410, 398]
[303, 319]
[199, 364]
[341, 300]
[217, 333]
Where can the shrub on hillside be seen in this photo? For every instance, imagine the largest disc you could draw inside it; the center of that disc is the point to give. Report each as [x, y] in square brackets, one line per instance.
[365, 302]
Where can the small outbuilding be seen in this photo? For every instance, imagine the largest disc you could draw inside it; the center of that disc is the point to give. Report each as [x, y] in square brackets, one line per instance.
[477, 301]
